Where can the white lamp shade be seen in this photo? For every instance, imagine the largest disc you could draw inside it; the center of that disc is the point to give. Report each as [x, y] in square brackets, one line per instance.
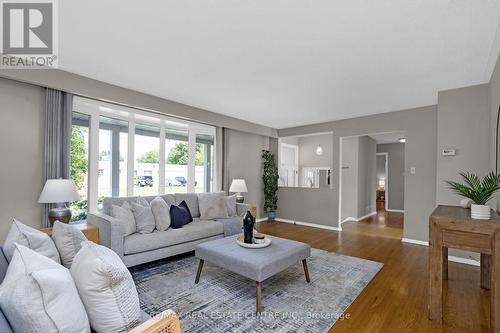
[58, 191]
[238, 185]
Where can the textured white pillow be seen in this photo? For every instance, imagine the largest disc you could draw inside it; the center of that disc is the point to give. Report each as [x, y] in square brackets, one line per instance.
[144, 218]
[106, 289]
[231, 205]
[34, 239]
[39, 295]
[125, 215]
[161, 213]
[68, 241]
[212, 206]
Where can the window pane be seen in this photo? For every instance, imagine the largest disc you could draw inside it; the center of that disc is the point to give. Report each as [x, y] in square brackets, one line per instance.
[79, 163]
[147, 159]
[204, 163]
[113, 146]
[176, 159]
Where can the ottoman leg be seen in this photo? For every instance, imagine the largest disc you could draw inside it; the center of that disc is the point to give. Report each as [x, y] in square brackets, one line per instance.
[306, 271]
[198, 273]
[258, 297]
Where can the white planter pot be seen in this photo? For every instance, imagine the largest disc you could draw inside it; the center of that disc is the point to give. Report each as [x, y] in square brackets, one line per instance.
[480, 212]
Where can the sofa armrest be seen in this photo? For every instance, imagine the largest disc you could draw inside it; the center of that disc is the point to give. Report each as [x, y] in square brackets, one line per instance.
[241, 208]
[167, 321]
[111, 231]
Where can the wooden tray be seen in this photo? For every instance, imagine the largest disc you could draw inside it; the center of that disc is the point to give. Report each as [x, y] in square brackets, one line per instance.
[240, 241]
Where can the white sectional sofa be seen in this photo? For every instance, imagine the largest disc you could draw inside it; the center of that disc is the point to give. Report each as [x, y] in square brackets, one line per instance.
[138, 248]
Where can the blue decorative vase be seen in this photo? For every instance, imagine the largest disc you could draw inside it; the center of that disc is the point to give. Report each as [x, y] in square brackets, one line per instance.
[248, 222]
[271, 215]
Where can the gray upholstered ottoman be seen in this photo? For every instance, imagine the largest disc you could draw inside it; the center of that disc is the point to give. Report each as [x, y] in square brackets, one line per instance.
[255, 264]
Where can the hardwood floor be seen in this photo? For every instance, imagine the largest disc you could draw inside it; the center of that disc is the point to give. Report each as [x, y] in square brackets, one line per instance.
[396, 299]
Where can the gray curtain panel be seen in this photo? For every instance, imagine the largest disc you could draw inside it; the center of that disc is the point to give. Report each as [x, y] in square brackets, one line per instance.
[57, 138]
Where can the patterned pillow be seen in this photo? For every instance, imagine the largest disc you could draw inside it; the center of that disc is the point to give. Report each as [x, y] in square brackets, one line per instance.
[39, 295]
[212, 206]
[68, 241]
[106, 288]
[34, 239]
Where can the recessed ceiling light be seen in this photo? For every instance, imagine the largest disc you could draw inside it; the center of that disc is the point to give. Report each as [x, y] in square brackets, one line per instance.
[402, 140]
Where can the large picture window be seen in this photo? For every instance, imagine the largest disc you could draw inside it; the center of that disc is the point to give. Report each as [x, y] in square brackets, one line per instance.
[120, 151]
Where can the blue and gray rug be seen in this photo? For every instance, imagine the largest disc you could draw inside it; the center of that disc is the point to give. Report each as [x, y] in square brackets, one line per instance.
[225, 302]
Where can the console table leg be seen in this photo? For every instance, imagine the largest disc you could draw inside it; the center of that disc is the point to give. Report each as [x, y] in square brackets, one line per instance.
[445, 263]
[198, 273]
[306, 271]
[435, 291]
[495, 285]
[485, 271]
[258, 297]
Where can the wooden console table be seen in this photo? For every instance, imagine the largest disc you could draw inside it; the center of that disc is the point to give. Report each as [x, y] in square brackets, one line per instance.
[452, 227]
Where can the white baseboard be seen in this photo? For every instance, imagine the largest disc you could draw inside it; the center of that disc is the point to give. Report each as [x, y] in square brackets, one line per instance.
[466, 261]
[261, 220]
[395, 210]
[354, 219]
[307, 224]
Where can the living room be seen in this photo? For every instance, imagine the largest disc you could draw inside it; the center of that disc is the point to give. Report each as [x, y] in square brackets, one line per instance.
[184, 167]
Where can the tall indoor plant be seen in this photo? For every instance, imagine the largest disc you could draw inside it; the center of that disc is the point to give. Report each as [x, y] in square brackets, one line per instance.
[479, 191]
[270, 179]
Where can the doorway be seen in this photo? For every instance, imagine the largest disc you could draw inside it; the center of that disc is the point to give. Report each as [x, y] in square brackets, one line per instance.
[382, 191]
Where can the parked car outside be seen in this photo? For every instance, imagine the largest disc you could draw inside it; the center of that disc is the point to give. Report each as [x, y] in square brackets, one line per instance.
[144, 181]
[183, 181]
[172, 182]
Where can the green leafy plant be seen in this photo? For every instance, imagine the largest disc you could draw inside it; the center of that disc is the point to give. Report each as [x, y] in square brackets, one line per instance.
[270, 179]
[479, 191]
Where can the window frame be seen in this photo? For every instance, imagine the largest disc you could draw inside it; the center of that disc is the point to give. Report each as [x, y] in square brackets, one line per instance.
[95, 109]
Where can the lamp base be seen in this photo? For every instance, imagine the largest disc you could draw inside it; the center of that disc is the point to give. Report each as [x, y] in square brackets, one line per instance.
[240, 198]
[61, 214]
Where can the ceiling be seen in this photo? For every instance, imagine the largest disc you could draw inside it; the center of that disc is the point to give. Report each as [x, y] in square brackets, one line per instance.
[392, 137]
[283, 63]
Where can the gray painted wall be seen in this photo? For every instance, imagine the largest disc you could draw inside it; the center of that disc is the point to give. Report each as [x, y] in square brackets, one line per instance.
[463, 124]
[420, 126]
[367, 176]
[244, 161]
[350, 152]
[396, 181]
[21, 145]
[307, 151]
[494, 98]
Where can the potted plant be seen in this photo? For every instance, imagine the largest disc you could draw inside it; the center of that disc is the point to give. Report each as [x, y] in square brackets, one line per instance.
[270, 179]
[479, 191]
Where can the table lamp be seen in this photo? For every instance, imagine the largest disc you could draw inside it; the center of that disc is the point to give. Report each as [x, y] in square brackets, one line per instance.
[239, 186]
[59, 191]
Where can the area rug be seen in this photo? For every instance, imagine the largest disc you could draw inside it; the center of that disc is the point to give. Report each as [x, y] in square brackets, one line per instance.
[225, 302]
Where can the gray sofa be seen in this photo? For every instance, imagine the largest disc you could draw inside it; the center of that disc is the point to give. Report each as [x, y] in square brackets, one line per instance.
[138, 248]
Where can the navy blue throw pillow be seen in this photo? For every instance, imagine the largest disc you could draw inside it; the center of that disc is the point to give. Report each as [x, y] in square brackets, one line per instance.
[179, 215]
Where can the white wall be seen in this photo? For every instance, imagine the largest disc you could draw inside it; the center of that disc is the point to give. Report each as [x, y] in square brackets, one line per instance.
[21, 148]
[367, 175]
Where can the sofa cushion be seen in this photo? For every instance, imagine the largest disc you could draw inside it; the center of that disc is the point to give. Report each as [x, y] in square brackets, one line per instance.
[68, 241]
[144, 218]
[106, 288]
[212, 205]
[34, 239]
[195, 230]
[191, 200]
[39, 295]
[161, 212]
[125, 216]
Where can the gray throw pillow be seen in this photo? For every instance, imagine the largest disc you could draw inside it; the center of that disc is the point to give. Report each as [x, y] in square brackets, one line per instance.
[125, 216]
[36, 240]
[231, 205]
[161, 213]
[212, 206]
[68, 240]
[144, 218]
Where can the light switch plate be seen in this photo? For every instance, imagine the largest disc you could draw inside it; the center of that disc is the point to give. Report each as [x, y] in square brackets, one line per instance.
[448, 152]
[412, 170]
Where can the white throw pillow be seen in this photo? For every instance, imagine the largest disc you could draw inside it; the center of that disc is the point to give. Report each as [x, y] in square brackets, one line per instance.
[106, 289]
[161, 213]
[125, 216]
[231, 205]
[212, 206]
[34, 239]
[67, 239]
[39, 295]
[144, 218]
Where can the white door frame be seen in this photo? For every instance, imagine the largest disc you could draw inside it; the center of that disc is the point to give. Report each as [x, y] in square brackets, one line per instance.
[386, 178]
